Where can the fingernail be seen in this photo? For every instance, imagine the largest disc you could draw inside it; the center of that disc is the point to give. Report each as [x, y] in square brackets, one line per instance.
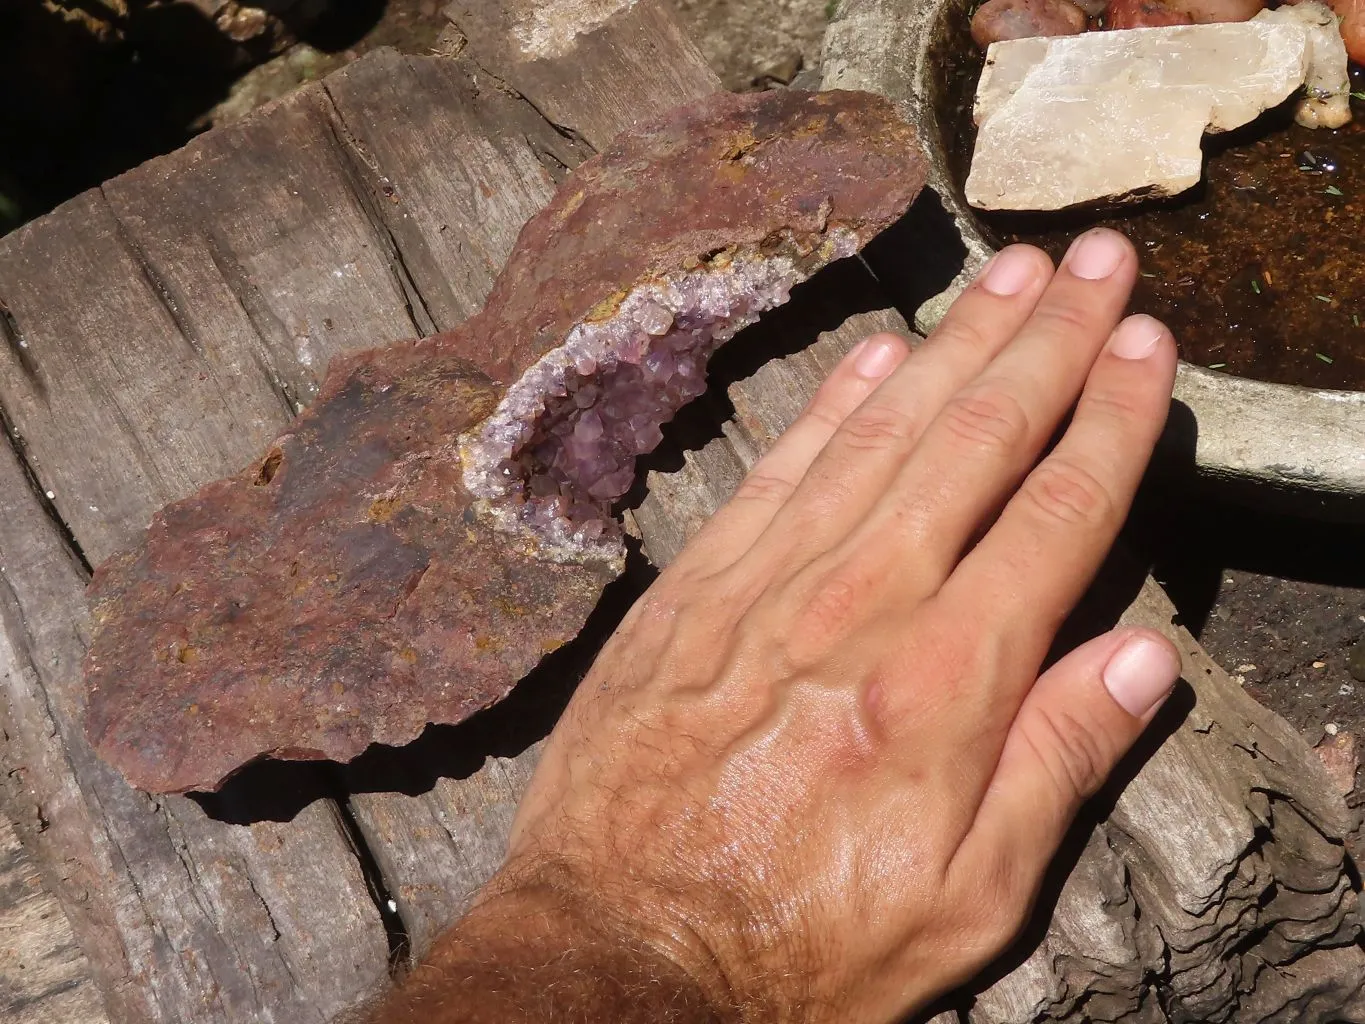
[1009, 272]
[1136, 337]
[1140, 675]
[1096, 255]
[875, 357]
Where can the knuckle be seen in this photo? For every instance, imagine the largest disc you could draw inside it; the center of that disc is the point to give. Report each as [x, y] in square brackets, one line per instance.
[658, 607]
[957, 332]
[986, 420]
[1065, 319]
[829, 607]
[1062, 491]
[951, 650]
[1109, 403]
[822, 411]
[877, 426]
[997, 911]
[764, 487]
[822, 611]
[1072, 750]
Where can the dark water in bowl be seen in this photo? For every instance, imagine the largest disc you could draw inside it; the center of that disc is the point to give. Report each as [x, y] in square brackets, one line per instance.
[1259, 270]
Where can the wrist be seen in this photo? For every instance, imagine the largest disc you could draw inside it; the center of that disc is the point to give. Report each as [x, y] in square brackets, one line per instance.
[542, 945]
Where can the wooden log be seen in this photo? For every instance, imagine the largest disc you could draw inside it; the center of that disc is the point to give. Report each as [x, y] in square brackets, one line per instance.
[120, 397]
[183, 313]
[44, 976]
[182, 917]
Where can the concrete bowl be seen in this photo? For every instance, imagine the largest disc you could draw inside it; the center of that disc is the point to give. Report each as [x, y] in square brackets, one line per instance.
[1294, 448]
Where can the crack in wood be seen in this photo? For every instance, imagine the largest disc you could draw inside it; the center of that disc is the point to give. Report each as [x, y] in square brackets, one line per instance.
[269, 916]
[158, 285]
[175, 834]
[365, 180]
[14, 624]
[264, 323]
[567, 132]
[395, 928]
[18, 345]
[41, 494]
[556, 167]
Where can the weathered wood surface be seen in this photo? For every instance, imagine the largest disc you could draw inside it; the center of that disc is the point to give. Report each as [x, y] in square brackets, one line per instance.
[182, 917]
[160, 330]
[44, 976]
[591, 67]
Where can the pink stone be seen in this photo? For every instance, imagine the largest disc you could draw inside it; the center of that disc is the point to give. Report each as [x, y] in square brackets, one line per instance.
[588, 427]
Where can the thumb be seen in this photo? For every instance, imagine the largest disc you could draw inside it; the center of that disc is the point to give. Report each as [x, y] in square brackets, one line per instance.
[1080, 718]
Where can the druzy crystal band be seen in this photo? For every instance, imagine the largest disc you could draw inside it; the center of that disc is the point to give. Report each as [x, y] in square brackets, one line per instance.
[562, 444]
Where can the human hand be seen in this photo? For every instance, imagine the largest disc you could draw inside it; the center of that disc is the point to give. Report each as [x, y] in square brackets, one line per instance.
[816, 766]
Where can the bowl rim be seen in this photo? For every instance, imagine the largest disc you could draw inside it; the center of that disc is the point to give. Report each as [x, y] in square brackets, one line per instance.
[1286, 438]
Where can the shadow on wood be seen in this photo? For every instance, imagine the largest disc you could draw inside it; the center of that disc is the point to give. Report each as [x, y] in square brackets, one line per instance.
[918, 257]
[839, 291]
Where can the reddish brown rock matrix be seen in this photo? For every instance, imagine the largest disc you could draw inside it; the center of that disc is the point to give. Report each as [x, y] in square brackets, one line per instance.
[439, 519]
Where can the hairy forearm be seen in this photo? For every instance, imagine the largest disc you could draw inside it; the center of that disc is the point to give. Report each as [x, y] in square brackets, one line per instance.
[543, 958]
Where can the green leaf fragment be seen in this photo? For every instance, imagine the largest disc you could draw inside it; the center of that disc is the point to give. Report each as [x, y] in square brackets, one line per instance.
[1325, 359]
[1323, 298]
[1217, 366]
[1332, 190]
[1256, 286]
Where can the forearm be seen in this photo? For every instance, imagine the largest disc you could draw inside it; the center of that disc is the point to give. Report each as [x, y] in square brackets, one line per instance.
[540, 957]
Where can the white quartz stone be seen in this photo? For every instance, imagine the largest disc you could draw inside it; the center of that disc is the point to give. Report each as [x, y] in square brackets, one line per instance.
[1111, 115]
[1326, 102]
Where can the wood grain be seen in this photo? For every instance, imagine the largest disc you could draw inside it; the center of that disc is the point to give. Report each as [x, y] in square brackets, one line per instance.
[44, 976]
[591, 68]
[134, 372]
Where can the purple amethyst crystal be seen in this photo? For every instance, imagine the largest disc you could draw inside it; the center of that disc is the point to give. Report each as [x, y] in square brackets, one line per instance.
[561, 446]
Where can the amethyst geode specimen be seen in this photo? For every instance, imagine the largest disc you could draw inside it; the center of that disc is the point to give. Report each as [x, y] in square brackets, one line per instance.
[441, 516]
